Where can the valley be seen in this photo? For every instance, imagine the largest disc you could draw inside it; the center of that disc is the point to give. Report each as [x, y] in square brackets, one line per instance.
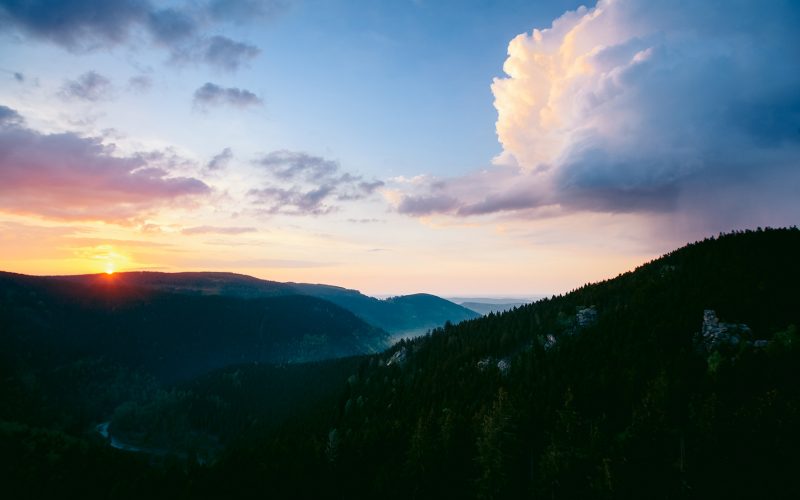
[627, 396]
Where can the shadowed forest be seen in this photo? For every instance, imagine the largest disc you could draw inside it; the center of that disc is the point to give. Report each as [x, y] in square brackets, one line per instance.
[676, 380]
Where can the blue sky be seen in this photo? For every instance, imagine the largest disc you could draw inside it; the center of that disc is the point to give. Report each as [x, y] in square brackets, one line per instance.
[456, 147]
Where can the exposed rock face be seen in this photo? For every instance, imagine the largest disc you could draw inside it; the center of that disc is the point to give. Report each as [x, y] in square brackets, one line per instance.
[398, 358]
[586, 316]
[484, 364]
[503, 366]
[715, 333]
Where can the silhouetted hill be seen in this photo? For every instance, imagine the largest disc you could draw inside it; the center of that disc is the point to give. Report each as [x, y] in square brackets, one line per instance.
[172, 335]
[406, 315]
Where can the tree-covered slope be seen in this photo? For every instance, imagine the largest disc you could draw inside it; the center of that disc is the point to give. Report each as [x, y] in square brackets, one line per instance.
[553, 400]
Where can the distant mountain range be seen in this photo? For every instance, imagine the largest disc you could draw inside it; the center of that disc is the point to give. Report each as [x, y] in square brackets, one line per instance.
[487, 305]
[407, 315]
[176, 326]
[170, 335]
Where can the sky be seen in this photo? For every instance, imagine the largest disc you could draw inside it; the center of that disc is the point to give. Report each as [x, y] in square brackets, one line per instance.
[468, 147]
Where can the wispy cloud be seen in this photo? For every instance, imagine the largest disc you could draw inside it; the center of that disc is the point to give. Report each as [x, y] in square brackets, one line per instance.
[220, 160]
[304, 184]
[218, 230]
[244, 11]
[90, 86]
[140, 83]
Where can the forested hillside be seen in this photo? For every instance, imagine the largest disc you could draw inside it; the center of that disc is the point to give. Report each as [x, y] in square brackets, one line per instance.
[557, 401]
[680, 379]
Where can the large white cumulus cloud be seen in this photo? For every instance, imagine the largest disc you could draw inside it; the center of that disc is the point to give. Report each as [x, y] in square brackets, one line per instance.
[646, 106]
[626, 104]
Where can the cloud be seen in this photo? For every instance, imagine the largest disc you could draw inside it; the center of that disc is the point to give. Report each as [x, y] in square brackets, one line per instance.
[226, 54]
[218, 230]
[294, 201]
[315, 183]
[220, 160]
[69, 177]
[171, 26]
[641, 107]
[75, 24]
[90, 86]
[211, 94]
[9, 117]
[426, 204]
[291, 165]
[243, 11]
[366, 221]
[140, 83]
[86, 25]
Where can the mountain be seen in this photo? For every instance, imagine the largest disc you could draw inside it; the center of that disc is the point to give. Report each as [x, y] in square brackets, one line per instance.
[171, 335]
[680, 379]
[630, 387]
[408, 315]
[488, 305]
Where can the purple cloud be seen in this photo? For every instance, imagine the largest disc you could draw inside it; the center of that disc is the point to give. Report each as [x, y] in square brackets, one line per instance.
[66, 176]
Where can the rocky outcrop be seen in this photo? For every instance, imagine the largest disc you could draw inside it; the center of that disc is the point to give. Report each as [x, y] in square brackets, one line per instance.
[715, 333]
[398, 358]
[586, 316]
